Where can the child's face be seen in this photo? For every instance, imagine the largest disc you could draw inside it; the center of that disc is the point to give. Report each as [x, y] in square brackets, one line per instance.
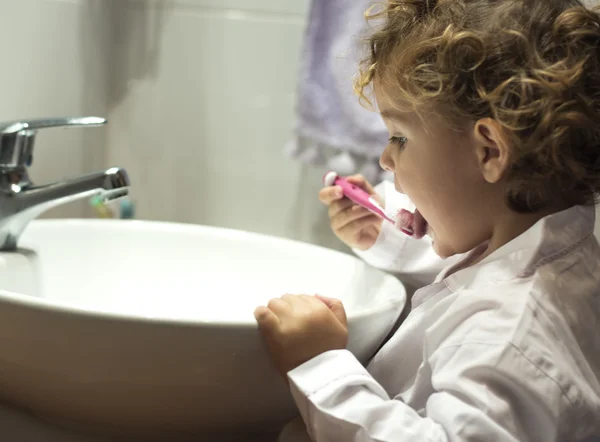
[440, 170]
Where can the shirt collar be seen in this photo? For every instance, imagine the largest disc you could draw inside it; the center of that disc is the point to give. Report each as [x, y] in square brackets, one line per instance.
[550, 238]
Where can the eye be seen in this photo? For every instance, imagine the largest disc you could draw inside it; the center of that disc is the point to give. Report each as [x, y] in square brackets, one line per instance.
[398, 141]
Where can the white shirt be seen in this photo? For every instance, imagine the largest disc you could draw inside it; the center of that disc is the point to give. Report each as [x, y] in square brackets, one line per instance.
[506, 350]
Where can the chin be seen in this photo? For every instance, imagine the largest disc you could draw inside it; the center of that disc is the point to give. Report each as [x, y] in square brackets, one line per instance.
[441, 250]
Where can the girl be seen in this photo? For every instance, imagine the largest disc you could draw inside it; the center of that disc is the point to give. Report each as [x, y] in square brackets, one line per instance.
[493, 110]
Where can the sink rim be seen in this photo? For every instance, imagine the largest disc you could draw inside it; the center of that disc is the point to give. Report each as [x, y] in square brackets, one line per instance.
[66, 308]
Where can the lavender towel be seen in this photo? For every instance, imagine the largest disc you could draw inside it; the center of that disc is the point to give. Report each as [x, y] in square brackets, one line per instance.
[332, 128]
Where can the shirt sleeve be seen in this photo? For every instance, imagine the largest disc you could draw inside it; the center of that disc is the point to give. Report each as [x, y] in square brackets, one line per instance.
[472, 401]
[414, 261]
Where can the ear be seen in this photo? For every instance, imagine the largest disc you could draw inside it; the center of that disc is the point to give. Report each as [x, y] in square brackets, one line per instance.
[492, 149]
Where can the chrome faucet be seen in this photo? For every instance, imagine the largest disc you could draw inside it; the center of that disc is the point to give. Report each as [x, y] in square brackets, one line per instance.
[20, 200]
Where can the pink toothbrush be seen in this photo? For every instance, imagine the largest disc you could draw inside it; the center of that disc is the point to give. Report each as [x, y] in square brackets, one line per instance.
[362, 198]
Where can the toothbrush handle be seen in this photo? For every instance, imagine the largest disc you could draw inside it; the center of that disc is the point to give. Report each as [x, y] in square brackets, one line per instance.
[360, 197]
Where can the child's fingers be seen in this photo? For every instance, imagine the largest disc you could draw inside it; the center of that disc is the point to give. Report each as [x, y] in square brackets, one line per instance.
[336, 306]
[350, 215]
[351, 230]
[266, 319]
[361, 182]
[330, 193]
[280, 306]
[339, 206]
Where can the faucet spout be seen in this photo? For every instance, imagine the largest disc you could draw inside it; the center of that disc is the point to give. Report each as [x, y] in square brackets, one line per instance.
[113, 181]
[21, 202]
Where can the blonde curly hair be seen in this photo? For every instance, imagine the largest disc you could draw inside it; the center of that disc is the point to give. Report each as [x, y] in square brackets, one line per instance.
[532, 65]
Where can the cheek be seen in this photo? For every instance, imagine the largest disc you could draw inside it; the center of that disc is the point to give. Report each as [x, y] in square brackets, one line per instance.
[446, 186]
[407, 167]
[445, 195]
[424, 180]
[405, 181]
[449, 182]
[459, 220]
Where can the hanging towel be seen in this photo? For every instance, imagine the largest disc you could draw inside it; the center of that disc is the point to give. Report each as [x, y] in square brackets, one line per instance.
[332, 128]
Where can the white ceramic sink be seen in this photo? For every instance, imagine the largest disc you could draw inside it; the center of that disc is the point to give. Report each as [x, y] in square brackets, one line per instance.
[145, 328]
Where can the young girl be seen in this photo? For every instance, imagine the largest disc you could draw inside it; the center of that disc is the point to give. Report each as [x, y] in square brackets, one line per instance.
[493, 110]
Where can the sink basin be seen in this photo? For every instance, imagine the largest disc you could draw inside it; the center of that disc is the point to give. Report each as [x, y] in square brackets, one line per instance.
[146, 329]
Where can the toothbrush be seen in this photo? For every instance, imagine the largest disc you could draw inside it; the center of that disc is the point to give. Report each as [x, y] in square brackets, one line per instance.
[101, 209]
[362, 198]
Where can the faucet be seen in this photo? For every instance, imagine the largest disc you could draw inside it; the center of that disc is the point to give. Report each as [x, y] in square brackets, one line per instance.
[21, 200]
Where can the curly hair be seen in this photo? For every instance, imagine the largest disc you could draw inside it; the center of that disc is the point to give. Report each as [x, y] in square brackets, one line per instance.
[532, 65]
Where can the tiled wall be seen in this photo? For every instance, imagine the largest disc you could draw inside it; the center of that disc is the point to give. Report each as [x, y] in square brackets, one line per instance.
[201, 103]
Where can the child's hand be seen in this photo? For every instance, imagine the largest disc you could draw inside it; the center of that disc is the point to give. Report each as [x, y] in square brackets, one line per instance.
[351, 223]
[297, 328]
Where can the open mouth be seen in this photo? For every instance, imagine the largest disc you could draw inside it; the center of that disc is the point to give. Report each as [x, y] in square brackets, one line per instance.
[412, 224]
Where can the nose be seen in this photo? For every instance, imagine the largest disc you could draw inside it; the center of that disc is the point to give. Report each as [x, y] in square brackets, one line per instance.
[385, 160]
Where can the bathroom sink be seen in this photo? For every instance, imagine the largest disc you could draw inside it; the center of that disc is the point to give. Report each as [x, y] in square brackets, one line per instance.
[146, 329]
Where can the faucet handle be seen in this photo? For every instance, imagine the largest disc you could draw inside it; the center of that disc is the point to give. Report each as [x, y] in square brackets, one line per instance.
[17, 138]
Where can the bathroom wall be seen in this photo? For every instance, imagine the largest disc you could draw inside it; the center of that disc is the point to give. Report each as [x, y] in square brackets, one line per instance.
[53, 64]
[201, 104]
